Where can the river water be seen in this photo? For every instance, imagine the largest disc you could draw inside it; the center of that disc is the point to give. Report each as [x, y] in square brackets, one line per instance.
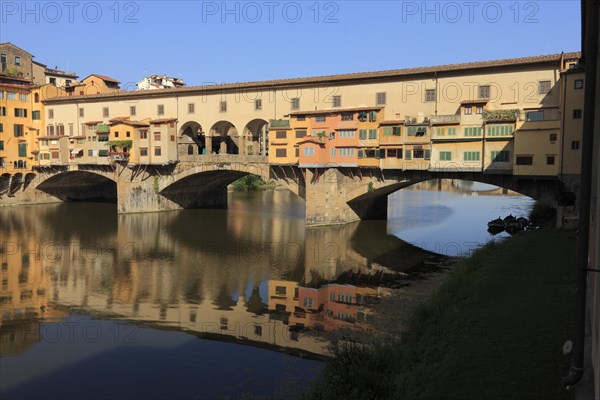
[210, 303]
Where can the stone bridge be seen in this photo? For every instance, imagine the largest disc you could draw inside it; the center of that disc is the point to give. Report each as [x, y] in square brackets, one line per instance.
[332, 195]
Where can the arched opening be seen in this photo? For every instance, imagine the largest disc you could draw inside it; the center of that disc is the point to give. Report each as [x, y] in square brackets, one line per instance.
[15, 184]
[4, 183]
[192, 141]
[28, 179]
[80, 186]
[36, 98]
[256, 135]
[225, 139]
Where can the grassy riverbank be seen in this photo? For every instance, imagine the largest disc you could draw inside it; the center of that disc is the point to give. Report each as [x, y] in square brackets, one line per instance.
[493, 330]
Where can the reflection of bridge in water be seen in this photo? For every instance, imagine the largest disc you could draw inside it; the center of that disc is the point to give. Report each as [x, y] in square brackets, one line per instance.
[215, 274]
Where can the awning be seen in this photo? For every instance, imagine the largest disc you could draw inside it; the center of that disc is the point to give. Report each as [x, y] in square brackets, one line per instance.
[76, 151]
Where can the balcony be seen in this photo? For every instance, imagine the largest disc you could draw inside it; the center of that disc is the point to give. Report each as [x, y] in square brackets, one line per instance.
[445, 119]
[102, 128]
[118, 156]
[511, 115]
[279, 123]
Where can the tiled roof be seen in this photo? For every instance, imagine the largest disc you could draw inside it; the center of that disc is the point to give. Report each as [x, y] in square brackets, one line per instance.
[104, 78]
[92, 122]
[162, 121]
[392, 122]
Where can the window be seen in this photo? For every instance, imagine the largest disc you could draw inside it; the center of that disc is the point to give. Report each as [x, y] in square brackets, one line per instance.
[575, 145]
[430, 95]
[346, 151]
[67, 82]
[143, 151]
[50, 113]
[1, 144]
[445, 156]
[362, 134]
[500, 156]
[408, 154]
[392, 131]
[380, 99]
[550, 160]
[36, 97]
[300, 118]
[191, 108]
[280, 134]
[309, 151]
[347, 117]
[346, 134]
[468, 110]
[117, 134]
[128, 134]
[333, 152]
[2, 94]
[297, 152]
[53, 81]
[223, 106]
[295, 103]
[337, 101]
[3, 59]
[157, 151]
[22, 149]
[23, 97]
[103, 153]
[578, 84]
[258, 104]
[553, 137]
[71, 131]
[18, 130]
[281, 153]
[132, 110]
[105, 112]
[372, 133]
[544, 87]
[172, 138]
[11, 95]
[50, 130]
[21, 112]
[577, 114]
[143, 134]
[157, 136]
[416, 131]
[478, 110]
[471, 156]
[300, 134]
[524, 160]
[160, 109]
[473, 131]
[320, 118]
[17, 60]
[54, 155]
[418, 153]
[90, 153]
[500, 130]
[534, 115]
[81, 113]
[484, 92]
[308, 302]
[1, 127]
[2, 111]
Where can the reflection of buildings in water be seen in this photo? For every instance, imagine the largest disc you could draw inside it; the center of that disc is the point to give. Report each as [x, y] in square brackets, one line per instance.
[24, 292]
[461, 186]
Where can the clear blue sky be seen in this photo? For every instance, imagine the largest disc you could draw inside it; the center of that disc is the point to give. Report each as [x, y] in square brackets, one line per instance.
[215, 41]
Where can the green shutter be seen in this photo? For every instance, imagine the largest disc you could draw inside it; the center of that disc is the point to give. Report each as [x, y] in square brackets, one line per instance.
[372, 133]
[363, 134]
[1, 144]
[387, 131]
[361, 154]
[22, 149]
[396, 131]
[408, 154]
[427, 154]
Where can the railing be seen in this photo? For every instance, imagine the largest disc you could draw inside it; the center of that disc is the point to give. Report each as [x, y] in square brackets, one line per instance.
[279, 123]
[445, 119]
[117, 156]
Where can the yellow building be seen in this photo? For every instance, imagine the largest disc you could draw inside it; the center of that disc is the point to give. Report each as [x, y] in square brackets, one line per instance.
[15, 121]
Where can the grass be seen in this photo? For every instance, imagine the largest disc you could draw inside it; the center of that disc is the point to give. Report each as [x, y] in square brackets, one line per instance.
[493, 330]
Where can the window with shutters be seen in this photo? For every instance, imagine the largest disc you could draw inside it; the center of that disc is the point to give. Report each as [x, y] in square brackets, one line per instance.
[280, 152]
[544, 87]
[380, 99]
[337, 101]
[524, 160]
[430, 95]
[484, 92]
[471, 156]
[300, 134]
[295, 103]
[280, 134]
[500, 156]
[445, 156]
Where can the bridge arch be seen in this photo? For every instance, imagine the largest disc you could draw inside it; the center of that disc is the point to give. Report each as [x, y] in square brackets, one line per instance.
[80, 186]
[192, 139]
[367, 197]
[224, 138]
[256, 137]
